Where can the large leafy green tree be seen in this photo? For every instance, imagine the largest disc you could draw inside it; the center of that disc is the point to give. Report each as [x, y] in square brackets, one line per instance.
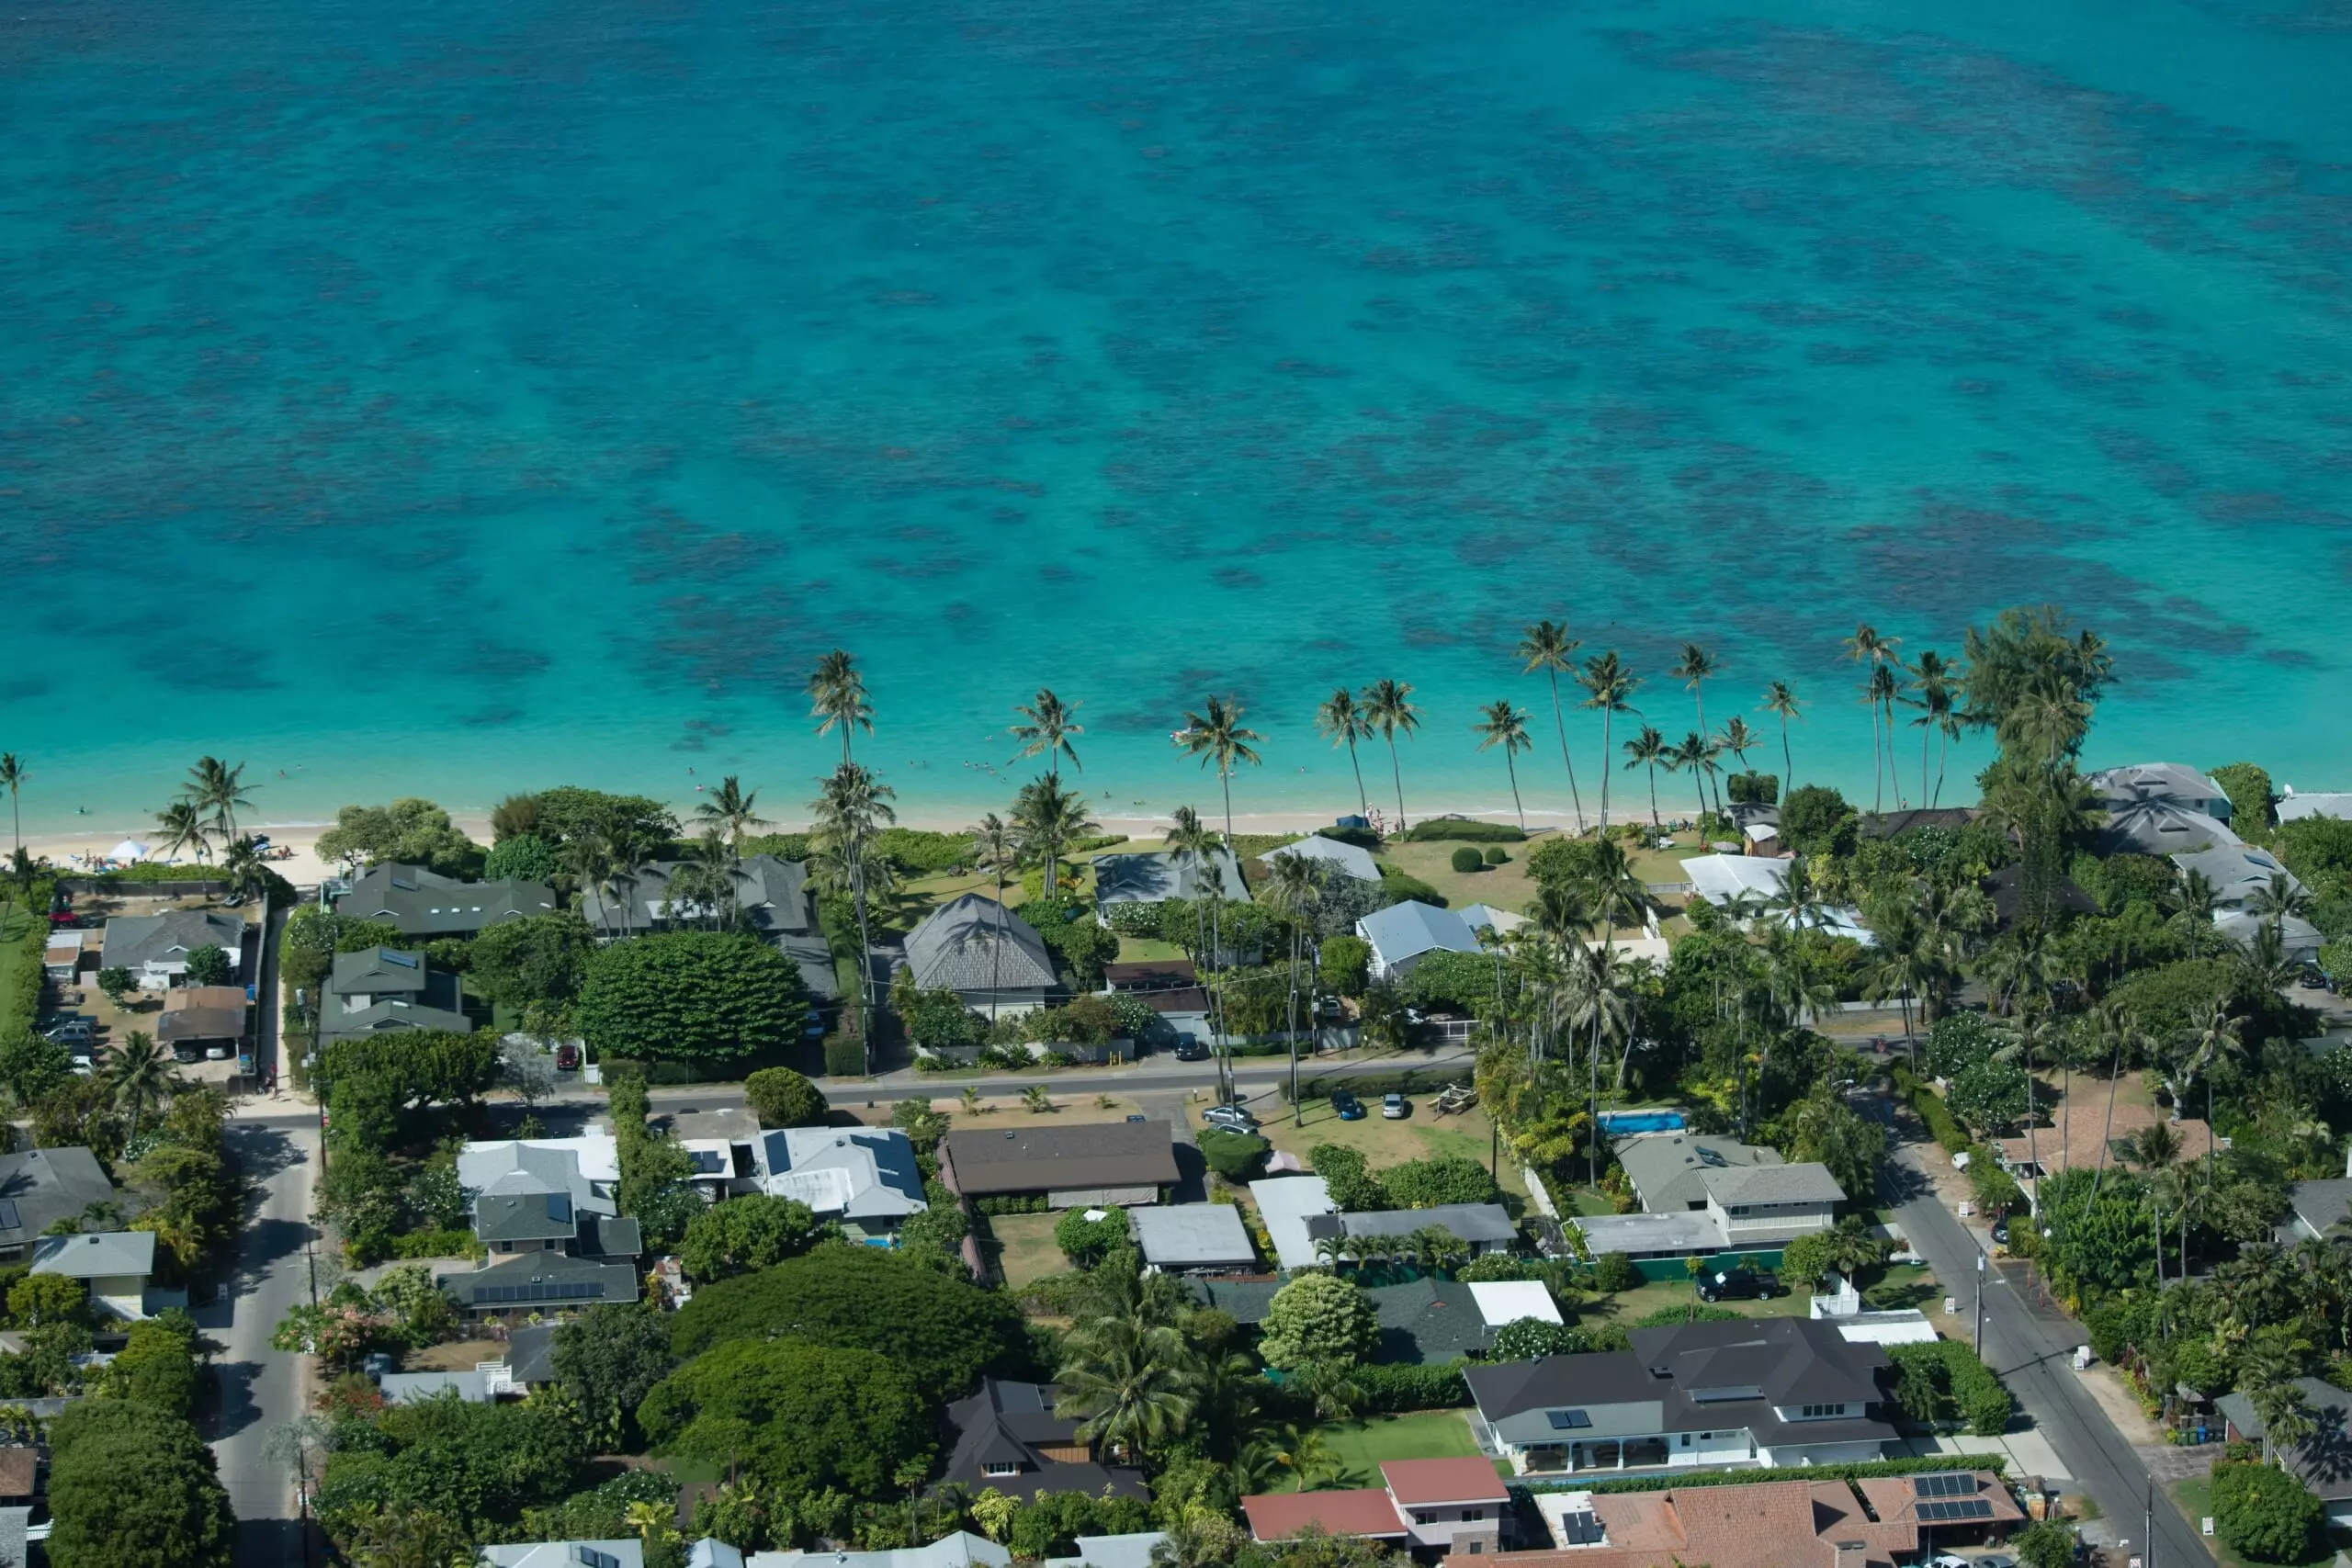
[707, 995]
[410, 831]
[745, 1234]
[945, 1331]
[799, 1416]
[540, 958]
[1319, 1320]
[424, 1066]
[609, 1357]
[476, 1465]
[132, 1486]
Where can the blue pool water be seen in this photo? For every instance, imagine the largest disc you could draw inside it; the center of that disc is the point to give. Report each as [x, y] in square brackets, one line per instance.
[459, 396]
[1640, 1120]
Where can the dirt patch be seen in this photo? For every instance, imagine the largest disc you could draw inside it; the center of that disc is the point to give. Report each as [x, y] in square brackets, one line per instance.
[457, 1356]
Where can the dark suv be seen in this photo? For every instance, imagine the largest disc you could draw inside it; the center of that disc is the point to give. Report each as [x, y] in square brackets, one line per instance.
[1742, 1285]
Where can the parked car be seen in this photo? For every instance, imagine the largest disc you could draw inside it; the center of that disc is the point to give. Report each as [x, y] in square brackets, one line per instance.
[185, 1055]
[216, 1053]
[2001, 1231]
[1741, 1285]
[1232, 1117]
[1394, 1107]
[567, 1058]
[78, 1031]
[1191, 1050]
[2311, 979]
[1347, 1106]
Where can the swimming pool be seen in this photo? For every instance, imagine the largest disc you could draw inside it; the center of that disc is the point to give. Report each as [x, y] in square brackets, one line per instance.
[1640, 1120]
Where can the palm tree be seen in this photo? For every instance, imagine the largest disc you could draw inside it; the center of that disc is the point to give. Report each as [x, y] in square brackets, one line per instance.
[1695, 755]
[1546, 646]
[2279, 900]
[1867, 646]
[2194, 902]
[1345, 723]
[1884, 690]
[1694, 669]
[140, 1071]
[1051, 726]
[248, 877]
[1735, 736]
[218, 789]
[1609, 687]
[1049, 819]
[1387, 706]
[848, 811]
[1127, 1386]
[588, 858]
[1505, 726]
[1647, 750]
[182, 827]
[1217, 736]
[1936, 680]
[730, 810]
[1779, 700]
[13, 774]
[996, 849]
[1293, 887]
[837, 697]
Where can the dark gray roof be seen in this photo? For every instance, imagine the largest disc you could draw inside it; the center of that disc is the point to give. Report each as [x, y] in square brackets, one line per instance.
[133, 941]
[389, 1017]
[536, 1216]
[207, 1012]
[974, 943]
[1803, 1183]
[2322, 1205]
[1704, 1375]
[981, 1160]
[420, 902]
[2324, 1460]
[1471, 1222]
[1012, 1423]
[530, 1354]
[1245, 1300]
[1428, 1321]
[39, 1187]
[772, 895]
[1156, 877]
[541, 1280]
[618, 1236]
[377, 971]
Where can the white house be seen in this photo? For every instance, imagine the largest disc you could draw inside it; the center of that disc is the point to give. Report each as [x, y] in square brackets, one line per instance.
[2239, 874]
[1726, 879]
[155, 948]
[115, 1265]
[1402, 934]
[863, 1177]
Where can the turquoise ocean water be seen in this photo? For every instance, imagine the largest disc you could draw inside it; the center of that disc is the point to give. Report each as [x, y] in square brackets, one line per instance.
[454, 397]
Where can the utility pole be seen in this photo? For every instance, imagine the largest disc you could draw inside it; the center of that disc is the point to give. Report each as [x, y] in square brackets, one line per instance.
[2149, 1559]
[1980, 1306]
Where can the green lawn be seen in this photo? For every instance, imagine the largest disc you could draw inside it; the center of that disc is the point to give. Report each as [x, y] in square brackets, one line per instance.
[2194, 1498]
[1026, 1249]
[13, 947]
[1904, 1285]
[1147, 950]
[1422, 1135]
[1359, 1446]
[1631, 1306]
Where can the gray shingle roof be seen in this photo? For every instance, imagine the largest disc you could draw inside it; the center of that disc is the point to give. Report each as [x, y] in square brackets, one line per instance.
[1407, 930]
[2322, 1205]
[541, 1280]
[377, 971]
[39, 1187]
[1348, 860]
[1803, 1183]
[420, 902]
[530, 1354]
[1193, 1236]
[529, 1216]
[96, 1256]
[772, 895]
[2324, 1460]
[135, 941]
[974, 943]
[981, 1160]
[1471, 1222]
[1158, 876]
[1666, 1167]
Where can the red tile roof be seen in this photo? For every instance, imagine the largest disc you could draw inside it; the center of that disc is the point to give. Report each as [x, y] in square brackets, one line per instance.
[1421, 1482]
[1275, 1514]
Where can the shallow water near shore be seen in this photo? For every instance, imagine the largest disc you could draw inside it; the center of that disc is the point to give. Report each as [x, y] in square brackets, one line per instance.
[457, 397]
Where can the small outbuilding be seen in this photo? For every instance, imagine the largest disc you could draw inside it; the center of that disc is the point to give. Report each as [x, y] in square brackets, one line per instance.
[1194, 1238]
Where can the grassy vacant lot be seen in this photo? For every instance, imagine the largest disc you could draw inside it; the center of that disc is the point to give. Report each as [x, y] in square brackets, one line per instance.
[1505, 886]
[1025, 1248]
[1359, 1446]
[1630, 1306]
[1422, 1135]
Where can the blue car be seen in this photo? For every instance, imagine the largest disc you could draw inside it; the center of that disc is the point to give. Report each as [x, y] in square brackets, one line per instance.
[1350, 1108]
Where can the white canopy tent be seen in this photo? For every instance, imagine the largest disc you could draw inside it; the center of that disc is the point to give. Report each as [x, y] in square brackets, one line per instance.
[130, 849]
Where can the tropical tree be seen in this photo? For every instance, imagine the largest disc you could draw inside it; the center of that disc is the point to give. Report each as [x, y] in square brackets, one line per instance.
[1294, 885]
[1867, 646]
[730, 810]
[1696, 756]
[1051, 724]
[13, 775]
[996, 850]
[1217, 735]
[837, 698]
[216, 789]
[139, 1071]
[1127, 1384]
[1049, 818]
[1388, 705]
[852, 807]
[248, 876]
[1346, 724]
[1780, 701]
[1609, 687]
[1500, 724]
[1546, 646]
[1881, 690]
[183, 826]
[1195, 843]
[1936, 681]
[1695, 669]
[1736, 736]
[1646, 749]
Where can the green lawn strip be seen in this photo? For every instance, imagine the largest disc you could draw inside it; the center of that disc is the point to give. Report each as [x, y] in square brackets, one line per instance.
[1026, 1249]
[1422, 1135]
[1147, 950]
[1359, 1446]
[1630, 1306]
[12, 952]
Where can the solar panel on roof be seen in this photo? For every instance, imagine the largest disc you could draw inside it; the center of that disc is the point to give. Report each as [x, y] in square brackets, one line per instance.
[401, 960]
[1957, 1508]
[593, 1558]
[1568, 1420]
[10, 1219]
[1944, 1483]
[1582, 1528]
[560, 1208]
[706, 1162]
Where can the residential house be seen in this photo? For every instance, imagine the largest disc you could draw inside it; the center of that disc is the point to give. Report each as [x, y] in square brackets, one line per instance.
[155, 948]
[1486, 917]
[1667, 1170]
[985, 954]
[2005, 886]
[2158, 827]
[1292, 1208]
[540, 1282]
[1341, 860]
[1728, 881]
[1703, 1196]
[2174, 783]
[1194, 1238]
[962, 1550]
[41, 1187]
[418, 902]
[1894, 824]
[382, 990]
[1767, 1205]
[1424, 1505]
[20, 1475]
[2096, 1135]
[2322, 1460]
[1422, 1321]
[204, 1018]
[2242, 876]
[773, 900]
[1401, 935]
[549, 1195]
[2318, 1208]
[1481, 1227]
[565, 1555]
[413, 1388]
[1160, 876]
[1008, 1436]
[115, 1265]
[2294, 807]
[1133, 1551]
[60, 958]
[864, 1178]
[530, 1357]
[1764, 1392]
[1084, 1165]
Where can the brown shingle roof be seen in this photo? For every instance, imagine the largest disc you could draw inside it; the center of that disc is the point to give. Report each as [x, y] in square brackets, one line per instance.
[19, 1471]
[978, 1161]
[2074, 1139]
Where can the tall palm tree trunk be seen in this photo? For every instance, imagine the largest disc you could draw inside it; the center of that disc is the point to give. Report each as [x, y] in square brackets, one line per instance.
[1943, 753]
[1397, 770]
[1605, 754]
[1788, 761]
[1653, 771]
[1923, 763]
[1364, 803]
[1225, 782]
[1560, 724]
[1878, 766]
[1515, 802]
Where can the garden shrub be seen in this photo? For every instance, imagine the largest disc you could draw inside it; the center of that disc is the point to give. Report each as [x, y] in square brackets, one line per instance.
[1614, 1272]
[2266, 1514]
[1497, 855]
[1237, 1157]
[1463, 828]
[1344, 965]
[1393, 1388]
[1085, 1241]
[1430, 1183]
[1465, 859]
[1943, 1381]
[1959, 1040]
[782, 1098]
[1931, 1107]
[844, 1057]
[1353, 1186]
[1402, 887]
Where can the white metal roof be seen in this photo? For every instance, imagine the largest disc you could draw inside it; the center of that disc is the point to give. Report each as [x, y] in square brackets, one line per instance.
[1191, 1235]
[1404, 930]
[1351, 860]
[1507, 1301]
[1286, 1204]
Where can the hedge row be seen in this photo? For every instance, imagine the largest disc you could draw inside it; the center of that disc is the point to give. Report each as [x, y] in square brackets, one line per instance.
[1931, 1109]
[1943, 1381]
[1370, 1085]
[1392, 1389]
[20, 1007]
[1464, 829]
[1865, 1470]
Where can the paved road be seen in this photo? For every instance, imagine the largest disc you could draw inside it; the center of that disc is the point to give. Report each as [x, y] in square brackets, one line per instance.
[261, 1387]
[2029, 1345]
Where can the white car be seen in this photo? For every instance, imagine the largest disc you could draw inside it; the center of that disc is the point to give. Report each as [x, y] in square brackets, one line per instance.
[1394, 1107]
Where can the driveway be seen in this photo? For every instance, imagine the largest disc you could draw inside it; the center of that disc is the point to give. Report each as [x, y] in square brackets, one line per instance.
[2029, 1343]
